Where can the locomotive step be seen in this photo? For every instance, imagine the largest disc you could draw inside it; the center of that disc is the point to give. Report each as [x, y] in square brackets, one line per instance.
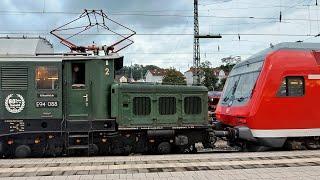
[78, 136]
[78, 147]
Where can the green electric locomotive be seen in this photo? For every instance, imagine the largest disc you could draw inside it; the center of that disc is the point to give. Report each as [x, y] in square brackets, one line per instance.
[54, 104]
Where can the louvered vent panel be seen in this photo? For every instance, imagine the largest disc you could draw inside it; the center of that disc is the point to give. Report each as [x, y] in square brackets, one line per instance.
[14, 78]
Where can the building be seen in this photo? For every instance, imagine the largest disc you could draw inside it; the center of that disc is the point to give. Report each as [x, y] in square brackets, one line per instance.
[121, 78]
[189, 76]
[155, 75]
[219, 73]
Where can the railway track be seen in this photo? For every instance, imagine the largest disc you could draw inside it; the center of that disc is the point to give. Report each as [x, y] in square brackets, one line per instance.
[151, 164]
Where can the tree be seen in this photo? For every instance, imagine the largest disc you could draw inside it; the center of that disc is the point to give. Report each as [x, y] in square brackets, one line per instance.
[174, 77]
[231, 60]
[208, 77]
[228, 63]
[137, 71]
[221, 84]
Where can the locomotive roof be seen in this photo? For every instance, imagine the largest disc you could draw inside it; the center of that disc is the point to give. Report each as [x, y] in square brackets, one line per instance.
[159, 87]
[55, 57]
[39, 49]
[24, 46]
[260, 56]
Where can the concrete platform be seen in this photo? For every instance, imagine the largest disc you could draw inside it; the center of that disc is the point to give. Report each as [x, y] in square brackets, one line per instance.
[266, 165]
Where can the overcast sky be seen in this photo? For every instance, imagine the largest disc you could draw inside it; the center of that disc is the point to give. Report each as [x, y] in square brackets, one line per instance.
[228, 17]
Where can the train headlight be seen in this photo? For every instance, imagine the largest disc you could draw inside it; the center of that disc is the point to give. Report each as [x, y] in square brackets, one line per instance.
[10, 141]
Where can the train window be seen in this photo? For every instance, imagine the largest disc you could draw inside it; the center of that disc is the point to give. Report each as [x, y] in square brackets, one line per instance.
[192, 105]
[47, 77]
[167, 105]
[292, 86]
[141, 106]
[78, 75]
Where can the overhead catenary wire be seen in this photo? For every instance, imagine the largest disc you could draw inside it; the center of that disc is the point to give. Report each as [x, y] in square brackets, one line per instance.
[161, 34]
[159, 15]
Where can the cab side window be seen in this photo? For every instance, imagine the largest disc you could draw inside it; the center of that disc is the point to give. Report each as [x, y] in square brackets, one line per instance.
[78, 75]
[292, 86]
[47, 77]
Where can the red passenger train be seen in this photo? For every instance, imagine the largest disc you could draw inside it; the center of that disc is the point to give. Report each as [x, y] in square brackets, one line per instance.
[271, 100]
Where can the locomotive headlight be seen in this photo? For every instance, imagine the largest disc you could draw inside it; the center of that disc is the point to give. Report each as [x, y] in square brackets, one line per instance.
[37, 141]
[10, 141]
[104, 140]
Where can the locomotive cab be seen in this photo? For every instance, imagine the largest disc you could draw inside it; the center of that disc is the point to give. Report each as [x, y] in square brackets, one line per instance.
[53, 98]
[87, 90]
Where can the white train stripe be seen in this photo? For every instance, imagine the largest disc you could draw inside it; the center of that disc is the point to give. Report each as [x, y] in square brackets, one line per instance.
[285, 132]
[314, 76]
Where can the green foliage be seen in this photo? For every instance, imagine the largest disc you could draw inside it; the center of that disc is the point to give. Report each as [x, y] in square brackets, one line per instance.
[208, 78]
[227, 66]
[137, 71]
[221, 85]
[174, 77]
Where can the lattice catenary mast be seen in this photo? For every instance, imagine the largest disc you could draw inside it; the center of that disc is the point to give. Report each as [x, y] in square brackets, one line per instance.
[196, 46]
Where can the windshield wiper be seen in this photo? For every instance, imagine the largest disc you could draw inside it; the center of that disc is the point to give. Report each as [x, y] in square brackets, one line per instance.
[230, 93]
[240, 99]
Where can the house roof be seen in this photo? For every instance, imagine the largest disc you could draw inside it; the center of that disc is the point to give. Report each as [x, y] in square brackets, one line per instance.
[117, 78]
[192, 69]
[158, 72]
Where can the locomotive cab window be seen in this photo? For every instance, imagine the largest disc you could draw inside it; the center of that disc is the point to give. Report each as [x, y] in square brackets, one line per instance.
[78, 75]
[292, 86]
[47, 77]
[192, 105]
[141, 106]
[167, 105]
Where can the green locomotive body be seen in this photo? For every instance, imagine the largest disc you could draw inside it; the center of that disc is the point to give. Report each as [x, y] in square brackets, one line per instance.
[68, 103]
[167, 106]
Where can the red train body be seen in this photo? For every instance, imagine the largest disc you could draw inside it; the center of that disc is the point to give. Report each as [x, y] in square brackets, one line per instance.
[272, 99]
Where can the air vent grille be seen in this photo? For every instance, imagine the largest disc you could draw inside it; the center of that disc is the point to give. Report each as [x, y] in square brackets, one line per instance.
[14, 78]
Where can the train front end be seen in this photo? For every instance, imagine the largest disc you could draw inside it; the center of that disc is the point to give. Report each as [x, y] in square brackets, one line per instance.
[236, 109]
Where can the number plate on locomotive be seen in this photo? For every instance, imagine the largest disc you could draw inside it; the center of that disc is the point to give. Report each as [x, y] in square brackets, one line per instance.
[47, 104]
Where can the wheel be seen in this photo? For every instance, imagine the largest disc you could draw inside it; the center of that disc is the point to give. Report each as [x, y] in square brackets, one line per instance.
[22, 151]
[164, 148]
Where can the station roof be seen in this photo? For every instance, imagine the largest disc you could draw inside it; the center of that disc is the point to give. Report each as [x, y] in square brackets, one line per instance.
[24, 46]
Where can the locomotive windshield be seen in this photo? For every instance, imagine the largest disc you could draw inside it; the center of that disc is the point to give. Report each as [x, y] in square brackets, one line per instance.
[240, 83]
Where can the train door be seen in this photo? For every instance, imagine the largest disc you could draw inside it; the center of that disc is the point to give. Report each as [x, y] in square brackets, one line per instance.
[77, 89]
